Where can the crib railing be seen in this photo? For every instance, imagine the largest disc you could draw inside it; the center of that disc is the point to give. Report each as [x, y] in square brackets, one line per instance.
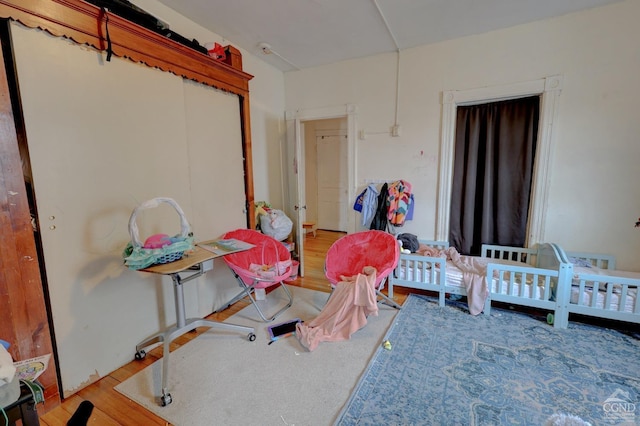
[606, 297]
[516, 254]
[602, 261]
[420, 272]
[522, 285]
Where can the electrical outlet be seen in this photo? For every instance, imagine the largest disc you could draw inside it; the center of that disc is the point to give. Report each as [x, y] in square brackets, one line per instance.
[395, 130]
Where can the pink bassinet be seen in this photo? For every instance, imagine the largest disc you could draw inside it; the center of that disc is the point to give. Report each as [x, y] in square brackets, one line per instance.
[350, 254]
[267, 264]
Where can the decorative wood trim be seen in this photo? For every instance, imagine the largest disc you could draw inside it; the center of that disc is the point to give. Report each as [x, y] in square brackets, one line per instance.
[23, 314]
[84, 23]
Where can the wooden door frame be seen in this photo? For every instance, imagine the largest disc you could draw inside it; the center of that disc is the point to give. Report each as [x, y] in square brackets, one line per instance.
[24, 323]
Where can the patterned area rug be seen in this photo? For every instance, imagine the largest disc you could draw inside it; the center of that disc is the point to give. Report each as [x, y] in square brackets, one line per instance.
[448, 367]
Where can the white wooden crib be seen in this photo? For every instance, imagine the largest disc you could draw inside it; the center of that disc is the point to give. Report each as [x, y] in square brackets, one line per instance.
[522, 276]
[598, 290]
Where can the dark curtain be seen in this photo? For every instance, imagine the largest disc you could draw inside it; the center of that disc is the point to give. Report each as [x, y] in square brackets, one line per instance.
[493, 167]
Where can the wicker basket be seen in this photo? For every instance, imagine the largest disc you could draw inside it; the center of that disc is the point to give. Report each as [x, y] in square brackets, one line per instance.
[138, 257]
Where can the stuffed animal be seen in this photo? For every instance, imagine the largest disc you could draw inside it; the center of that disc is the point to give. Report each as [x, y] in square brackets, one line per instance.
[217, 52]
[157, 241]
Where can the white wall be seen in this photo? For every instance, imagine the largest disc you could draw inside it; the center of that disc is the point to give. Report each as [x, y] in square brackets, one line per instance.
[594, 197]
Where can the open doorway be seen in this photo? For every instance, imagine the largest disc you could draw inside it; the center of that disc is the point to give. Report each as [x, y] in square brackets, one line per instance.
[303, 129]
[326, 180]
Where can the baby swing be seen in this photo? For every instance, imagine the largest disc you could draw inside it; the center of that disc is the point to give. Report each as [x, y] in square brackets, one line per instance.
[267, 264]
[350, 254]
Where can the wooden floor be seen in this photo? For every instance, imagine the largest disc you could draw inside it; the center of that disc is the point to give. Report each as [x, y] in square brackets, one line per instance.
[112, 408]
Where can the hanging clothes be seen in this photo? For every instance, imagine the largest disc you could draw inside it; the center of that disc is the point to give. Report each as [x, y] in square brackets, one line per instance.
[379, 221]
[369, 204]
[399, 202]
[357, 206]
[412, 203]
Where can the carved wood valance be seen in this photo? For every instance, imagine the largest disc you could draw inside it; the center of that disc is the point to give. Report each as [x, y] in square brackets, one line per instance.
[85, 23]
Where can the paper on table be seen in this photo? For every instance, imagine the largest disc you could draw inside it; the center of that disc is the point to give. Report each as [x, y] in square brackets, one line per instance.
[222, 247]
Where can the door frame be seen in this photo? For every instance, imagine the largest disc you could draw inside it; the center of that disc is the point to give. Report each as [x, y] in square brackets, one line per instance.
[295, 197]
[549, 89]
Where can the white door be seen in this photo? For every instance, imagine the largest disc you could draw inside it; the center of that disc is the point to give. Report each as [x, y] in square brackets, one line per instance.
[332, 182]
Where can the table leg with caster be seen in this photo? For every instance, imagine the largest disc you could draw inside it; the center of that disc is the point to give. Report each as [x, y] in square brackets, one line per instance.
[182, 326]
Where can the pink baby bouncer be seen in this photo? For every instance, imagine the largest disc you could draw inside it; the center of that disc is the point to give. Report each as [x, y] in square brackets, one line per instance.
[357, 266]
[267, 264]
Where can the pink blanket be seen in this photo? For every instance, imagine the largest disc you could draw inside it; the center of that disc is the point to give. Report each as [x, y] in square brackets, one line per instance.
[474, 271]
[474, 278]
[352, 301]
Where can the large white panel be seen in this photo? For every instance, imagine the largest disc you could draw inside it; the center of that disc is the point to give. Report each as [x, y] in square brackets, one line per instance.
[217, 181]
[103, 137]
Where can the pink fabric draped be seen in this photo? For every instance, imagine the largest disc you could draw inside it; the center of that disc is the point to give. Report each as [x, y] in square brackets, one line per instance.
[473, 269]
[352, 301]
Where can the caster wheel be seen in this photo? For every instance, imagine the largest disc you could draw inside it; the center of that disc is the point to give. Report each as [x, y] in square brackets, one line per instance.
[140, 354]
[550, 319]
[166, 399]
[251, 337]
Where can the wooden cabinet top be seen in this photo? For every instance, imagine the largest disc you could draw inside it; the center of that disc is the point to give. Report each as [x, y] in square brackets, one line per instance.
[85, 23]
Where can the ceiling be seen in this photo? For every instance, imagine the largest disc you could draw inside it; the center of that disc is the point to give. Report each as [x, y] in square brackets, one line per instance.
[308, 33]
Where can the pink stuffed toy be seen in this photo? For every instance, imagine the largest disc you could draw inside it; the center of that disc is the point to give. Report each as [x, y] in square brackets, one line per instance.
[157, 241]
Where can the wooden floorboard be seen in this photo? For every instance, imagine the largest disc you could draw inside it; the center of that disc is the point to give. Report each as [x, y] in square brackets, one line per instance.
[112, 408]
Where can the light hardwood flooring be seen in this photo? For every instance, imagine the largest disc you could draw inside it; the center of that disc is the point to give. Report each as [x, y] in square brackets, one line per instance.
[112, 408]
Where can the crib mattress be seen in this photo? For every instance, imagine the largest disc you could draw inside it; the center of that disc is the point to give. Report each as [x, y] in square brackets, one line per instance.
[586, 299]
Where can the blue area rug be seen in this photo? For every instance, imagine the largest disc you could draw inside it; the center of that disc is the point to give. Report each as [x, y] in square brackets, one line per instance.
[446, 367]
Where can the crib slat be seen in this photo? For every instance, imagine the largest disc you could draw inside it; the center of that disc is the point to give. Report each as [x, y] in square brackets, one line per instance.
[623, 298]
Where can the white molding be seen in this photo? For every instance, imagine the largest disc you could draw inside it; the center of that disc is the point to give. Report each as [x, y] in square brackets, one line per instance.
[321, 113]
[332, 132]
[549, 88]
